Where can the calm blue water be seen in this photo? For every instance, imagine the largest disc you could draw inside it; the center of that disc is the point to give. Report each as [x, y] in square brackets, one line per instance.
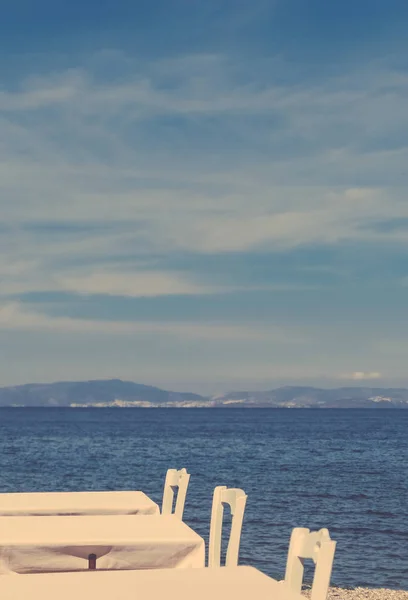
[345, 470]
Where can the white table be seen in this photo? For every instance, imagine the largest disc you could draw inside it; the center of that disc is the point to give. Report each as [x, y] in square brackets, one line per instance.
[77, 503]
[49, 544]
[235, 583]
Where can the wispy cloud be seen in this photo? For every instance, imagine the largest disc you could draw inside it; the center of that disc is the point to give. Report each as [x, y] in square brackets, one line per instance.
[135, 284]
[14, 316]
[363, 375]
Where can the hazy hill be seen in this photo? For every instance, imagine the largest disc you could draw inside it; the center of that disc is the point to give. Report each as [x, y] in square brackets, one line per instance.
[115, 392]
[89, 393]
[310, 397]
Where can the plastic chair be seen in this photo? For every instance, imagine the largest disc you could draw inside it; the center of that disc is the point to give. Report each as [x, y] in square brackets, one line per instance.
[316, 545]
[236, 499]
[175, 480]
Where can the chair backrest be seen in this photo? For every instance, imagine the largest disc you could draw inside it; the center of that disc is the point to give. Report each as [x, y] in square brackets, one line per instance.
[175, 480]
[315, 545]
[236, 499]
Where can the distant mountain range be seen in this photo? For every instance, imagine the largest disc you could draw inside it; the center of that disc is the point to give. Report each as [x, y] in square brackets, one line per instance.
[117, 393]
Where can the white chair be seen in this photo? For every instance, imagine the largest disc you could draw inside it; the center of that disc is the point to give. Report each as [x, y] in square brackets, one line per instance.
[236, 499]
[315, 545]
[175, 480]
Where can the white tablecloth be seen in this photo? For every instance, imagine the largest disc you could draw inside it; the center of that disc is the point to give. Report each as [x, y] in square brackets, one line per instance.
[236, 583]
[47, 544]
[77, 503]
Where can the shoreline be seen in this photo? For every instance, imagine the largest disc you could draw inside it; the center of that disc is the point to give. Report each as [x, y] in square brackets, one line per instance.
[360, 593]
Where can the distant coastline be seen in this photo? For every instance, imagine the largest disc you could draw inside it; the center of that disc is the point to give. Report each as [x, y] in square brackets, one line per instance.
[115, 393]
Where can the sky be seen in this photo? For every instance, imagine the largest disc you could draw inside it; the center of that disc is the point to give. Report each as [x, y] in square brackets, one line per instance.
[204, 195]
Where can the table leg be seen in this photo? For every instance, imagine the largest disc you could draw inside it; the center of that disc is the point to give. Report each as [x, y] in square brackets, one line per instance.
[92, 562]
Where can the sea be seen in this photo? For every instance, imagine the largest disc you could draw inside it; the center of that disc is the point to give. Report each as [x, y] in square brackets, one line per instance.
[346, 470]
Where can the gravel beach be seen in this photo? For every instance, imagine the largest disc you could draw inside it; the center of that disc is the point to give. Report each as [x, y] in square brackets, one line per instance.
[364, 594]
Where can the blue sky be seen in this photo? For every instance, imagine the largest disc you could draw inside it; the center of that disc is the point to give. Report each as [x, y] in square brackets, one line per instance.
[204, 195]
